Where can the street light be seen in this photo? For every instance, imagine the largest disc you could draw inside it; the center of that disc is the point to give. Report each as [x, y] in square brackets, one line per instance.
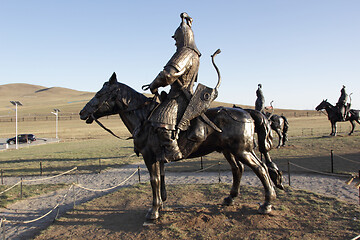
[16, 104]
[56, 113]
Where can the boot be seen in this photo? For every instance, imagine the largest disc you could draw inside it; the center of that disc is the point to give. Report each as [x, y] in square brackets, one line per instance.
[171, 150]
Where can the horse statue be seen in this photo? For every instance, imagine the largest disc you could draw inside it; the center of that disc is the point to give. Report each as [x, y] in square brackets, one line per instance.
[278, 123]
[334, 116]
[235, 141]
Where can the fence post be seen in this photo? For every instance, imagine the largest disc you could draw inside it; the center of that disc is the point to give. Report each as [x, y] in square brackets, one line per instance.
[77, 176]
[139, 174]
[289, 172]
[219, 173]
[201, 163]
[332, 161]
[99, 165]
[74, 196]
[41, 170]
[2, 177]
[21, 188]
[3, 229]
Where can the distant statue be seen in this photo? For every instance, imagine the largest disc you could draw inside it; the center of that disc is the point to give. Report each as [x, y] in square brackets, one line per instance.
[260, 100]
[278, 123]
[342, 104]
[353, 115]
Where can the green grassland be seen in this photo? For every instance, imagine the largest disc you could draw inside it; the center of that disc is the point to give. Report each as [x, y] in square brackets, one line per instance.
[82, 144]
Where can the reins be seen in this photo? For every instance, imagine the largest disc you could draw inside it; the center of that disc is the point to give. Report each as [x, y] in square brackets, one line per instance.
[108, 130]
[324, 113]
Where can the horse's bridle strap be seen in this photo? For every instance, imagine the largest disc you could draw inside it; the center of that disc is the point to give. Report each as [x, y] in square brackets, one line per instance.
[108, 130]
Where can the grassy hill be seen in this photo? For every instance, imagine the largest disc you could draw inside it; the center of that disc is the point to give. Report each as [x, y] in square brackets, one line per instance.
[40, 101]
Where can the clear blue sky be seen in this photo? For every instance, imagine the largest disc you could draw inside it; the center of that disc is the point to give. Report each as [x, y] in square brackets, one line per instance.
[301, 51]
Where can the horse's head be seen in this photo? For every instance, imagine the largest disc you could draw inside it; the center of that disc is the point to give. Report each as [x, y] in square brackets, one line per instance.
[103, 103]
[322, 105]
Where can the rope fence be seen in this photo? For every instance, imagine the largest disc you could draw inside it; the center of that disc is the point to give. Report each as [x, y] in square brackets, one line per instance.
[319, 172]
[106, 189]
[57, 205]
[47, 178]
[3, 220]
[346, 159]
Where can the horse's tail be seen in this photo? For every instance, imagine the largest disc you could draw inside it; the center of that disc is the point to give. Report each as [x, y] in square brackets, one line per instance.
[285, 128]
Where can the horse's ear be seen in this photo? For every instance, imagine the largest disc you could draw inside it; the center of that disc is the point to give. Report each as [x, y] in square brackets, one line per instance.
[113, 78]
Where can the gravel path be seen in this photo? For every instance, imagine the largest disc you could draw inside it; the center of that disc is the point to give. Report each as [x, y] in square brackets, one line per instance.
[37, 206]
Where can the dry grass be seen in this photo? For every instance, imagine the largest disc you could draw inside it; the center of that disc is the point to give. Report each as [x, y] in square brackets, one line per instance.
[194, 212]
[83, 144]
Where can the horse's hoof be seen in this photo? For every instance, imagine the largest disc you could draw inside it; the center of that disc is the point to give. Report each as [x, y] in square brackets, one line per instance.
[280, 186]
[152, 215]
[265, 209]
[275, 176]
[228, 201]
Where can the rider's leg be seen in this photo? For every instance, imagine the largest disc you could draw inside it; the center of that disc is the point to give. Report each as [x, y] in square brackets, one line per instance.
[168, 142]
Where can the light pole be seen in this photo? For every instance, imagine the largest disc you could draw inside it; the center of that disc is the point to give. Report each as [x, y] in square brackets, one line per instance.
[16, 104]
[56, 113]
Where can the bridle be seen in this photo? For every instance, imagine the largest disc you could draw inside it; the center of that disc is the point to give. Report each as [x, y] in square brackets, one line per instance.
[107, 129]
[324, 112]
[122, 111]
[102, 125]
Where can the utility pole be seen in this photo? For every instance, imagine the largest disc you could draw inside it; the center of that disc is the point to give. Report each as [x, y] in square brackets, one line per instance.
[56, 113]
[16, 104]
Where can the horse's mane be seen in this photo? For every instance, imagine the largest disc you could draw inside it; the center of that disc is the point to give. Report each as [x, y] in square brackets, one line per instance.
[329, 104]
[130, 97]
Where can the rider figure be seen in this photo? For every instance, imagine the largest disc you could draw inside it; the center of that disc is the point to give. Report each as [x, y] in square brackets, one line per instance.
[260, 100]
[341, 104]
[180, 73]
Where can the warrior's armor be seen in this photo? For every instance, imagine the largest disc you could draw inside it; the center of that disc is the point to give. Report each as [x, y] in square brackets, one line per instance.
[180, 73]
[260, 100]
[341, 104]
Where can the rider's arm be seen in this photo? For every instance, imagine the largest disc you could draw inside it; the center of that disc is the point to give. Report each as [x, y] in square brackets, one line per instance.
[164, 78]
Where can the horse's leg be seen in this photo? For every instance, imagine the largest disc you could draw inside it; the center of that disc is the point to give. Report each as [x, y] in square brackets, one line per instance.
[274, 172]
[280, 137]
[237, 169]
[250, 159]
[284, 136]
[352, 127]
[162, 182]
[285, 129]
[154, 170]
[333, 129]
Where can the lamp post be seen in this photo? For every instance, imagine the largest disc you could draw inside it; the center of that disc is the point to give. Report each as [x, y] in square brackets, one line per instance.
[16, 104]
[56, 113]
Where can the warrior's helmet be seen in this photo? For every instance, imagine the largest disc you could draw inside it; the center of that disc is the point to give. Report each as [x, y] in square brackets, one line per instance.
[184, 35]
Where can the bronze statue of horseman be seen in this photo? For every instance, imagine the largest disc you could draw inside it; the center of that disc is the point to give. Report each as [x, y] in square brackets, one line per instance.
[278, 123]
[341, 112]
[179, 124]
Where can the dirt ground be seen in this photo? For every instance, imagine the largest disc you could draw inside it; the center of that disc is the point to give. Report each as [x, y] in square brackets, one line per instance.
[195, 212]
